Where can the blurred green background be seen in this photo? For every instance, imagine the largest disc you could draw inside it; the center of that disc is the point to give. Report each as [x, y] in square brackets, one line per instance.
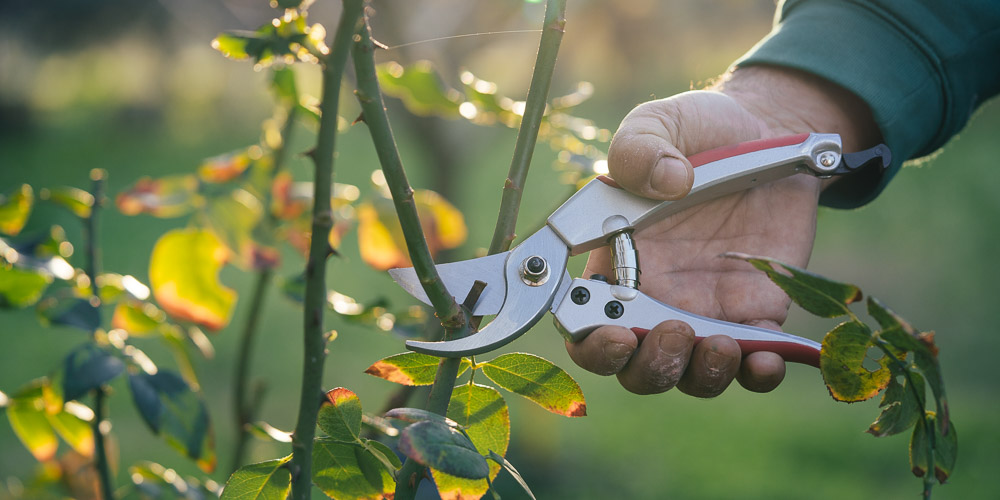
[133, 87]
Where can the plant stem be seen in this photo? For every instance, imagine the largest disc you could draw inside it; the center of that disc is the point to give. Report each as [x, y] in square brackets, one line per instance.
[246, 411]
[314, 343]
[373, 110]
[444, 303]
[91, 235]
[527, 134]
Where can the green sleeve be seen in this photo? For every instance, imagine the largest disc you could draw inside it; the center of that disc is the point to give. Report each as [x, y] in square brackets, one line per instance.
[923, 66]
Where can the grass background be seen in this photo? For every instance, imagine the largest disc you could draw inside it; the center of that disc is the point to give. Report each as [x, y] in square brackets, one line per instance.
[143, 94]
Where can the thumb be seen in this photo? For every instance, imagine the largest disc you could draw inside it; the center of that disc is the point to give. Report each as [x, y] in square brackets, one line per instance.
[647, 153]
[643, 157]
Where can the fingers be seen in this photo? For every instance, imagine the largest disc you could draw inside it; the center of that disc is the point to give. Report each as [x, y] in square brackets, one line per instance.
[605, 351]
[660, 361]
[761, 371]
[714, 363]
[643, 157]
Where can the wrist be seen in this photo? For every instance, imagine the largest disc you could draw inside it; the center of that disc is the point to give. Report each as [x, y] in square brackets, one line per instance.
[790, 101]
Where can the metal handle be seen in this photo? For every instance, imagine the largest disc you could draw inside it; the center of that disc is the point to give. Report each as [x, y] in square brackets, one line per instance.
[601, 208]
[590, 304]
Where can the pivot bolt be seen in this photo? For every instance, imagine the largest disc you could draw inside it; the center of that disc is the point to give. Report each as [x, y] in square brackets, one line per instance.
[534, 271]
[827, 159]
[614, 309]
[580, 295]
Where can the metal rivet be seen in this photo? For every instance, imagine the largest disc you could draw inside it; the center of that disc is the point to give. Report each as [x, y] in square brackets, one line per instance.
[535, 265]
[614, 309]
[580, 295]
[827, 158]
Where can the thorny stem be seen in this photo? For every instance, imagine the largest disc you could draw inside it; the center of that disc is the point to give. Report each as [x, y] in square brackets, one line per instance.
[527, 134]
[91, 235]
[246, 412]
[445, 306]
[444, 303]
[373, 110]
[314, 344]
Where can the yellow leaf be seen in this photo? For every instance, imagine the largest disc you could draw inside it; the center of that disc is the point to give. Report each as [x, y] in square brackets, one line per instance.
[15, 208]
[379, 248]
[183, 272]
[442, 222]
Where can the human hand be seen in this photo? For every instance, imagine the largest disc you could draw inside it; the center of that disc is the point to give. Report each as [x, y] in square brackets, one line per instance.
[680, 254]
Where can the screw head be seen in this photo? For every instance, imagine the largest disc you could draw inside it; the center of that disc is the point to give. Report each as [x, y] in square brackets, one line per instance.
[535, 265]
[580, 295]
[614, 309]
[827, 158]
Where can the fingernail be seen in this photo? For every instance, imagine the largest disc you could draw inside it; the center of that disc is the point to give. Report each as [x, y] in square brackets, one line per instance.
[670, 178]
[674, 344]
[716, 361]
[617, 352]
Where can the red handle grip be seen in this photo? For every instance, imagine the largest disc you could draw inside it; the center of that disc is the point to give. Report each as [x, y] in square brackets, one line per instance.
[794, 353]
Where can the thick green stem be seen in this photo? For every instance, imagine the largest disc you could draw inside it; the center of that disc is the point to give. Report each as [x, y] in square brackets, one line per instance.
[527, 134]
[444, 303]
[373, 109]
[314, 343]
[246, 410]
[91, 235]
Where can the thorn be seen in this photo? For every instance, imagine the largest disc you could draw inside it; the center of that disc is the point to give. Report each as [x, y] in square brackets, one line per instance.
[311, 154]
[360, 118]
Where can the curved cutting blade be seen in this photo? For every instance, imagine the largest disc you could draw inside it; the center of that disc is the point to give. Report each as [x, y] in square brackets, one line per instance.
[458, 278]
[523, 306]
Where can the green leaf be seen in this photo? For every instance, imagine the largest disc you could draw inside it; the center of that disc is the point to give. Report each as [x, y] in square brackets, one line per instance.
[415, 415]
[267, 432]
[137, 318]
[15, 208]
[21, 287]
[901, 336]
[71, 311]
[482, 411]
[443, 448]
[113, 287]
[420, 88]
[285, 39]
[171, 409]
[945, 449]
[268, 480]
[283, 83]
[341, 419]
[901, 407]
[388, 457]
[183, 272]
[165, 197]
[347, 471]
[539, 380]
[812, 292]
[28, 417]
[841, 363]
[509, 467]
[154, 481]
[73, 424]
[233, 219]
[410, 368]
[75, 200]
[88, 367]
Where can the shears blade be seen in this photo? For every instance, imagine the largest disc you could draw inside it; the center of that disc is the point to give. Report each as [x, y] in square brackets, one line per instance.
[459, 277]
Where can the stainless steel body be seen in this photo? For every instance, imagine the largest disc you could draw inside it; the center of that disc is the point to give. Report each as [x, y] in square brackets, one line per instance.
[520, 288]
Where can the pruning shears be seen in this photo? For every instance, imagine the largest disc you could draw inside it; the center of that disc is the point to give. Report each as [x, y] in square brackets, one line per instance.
[531, 278]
